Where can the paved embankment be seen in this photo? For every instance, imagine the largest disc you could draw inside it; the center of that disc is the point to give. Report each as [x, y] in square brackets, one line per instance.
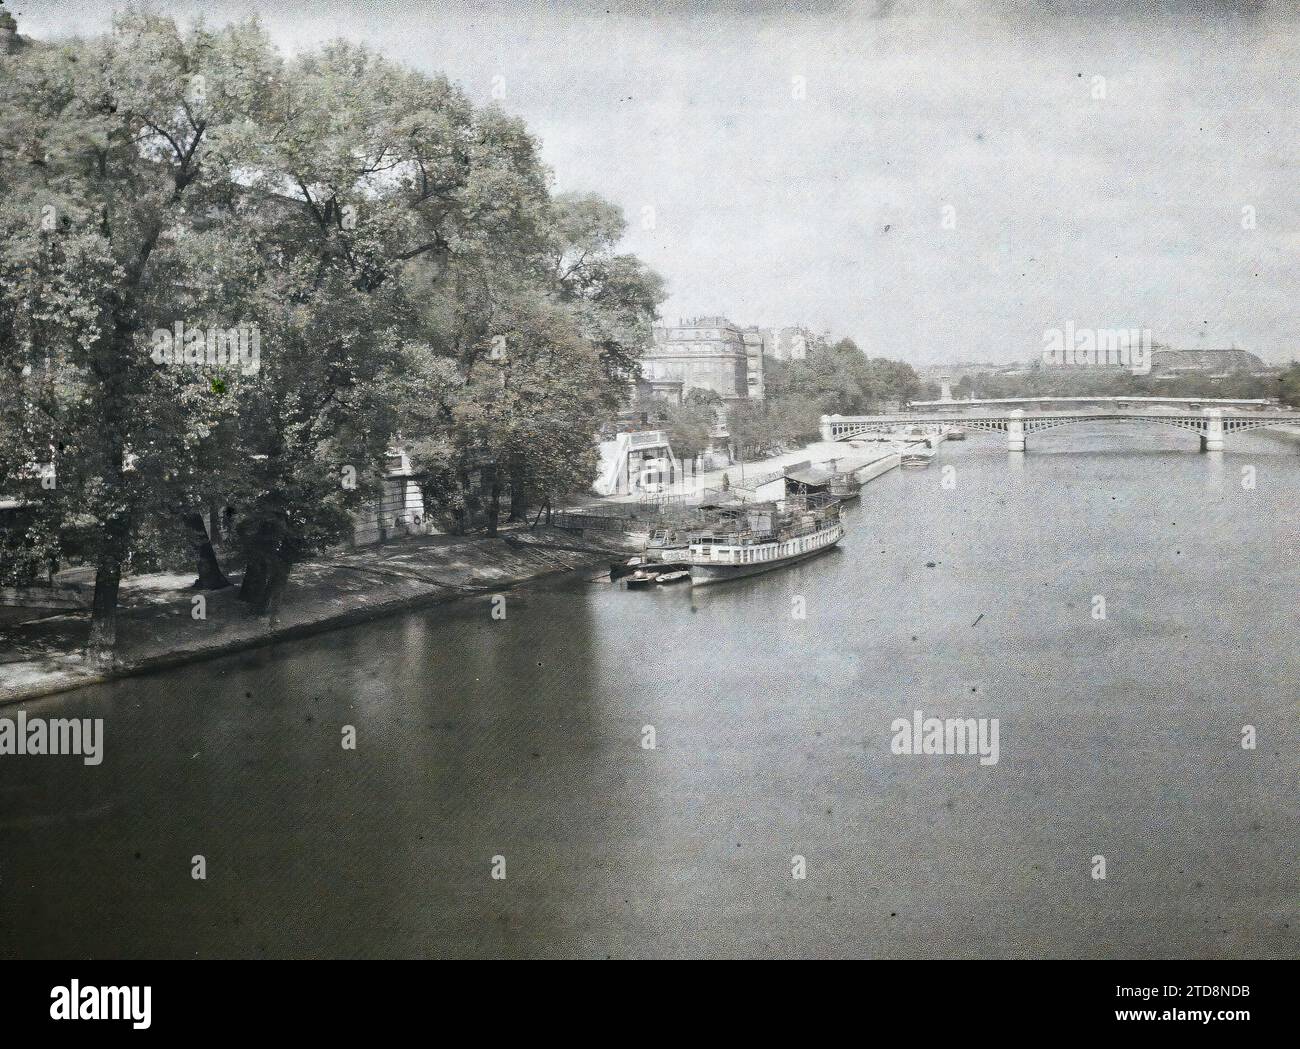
[41, 650]
[868, 458]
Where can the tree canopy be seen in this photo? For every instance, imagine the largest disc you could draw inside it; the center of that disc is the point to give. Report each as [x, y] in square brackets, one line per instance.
[232, 279]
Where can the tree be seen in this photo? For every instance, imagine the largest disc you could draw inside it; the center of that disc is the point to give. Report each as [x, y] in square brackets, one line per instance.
[612, 296]
[1288, 390]
[531, 412]
[841, 380]
[689, 426]
[754, 429]
[108, 148]
[393, 254]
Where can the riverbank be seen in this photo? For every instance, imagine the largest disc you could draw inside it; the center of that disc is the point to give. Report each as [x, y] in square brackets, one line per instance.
[867, 459]
[41, 649]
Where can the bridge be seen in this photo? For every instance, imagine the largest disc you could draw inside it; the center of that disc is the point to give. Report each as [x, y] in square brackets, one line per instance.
[1107, 402]
[1211, 425]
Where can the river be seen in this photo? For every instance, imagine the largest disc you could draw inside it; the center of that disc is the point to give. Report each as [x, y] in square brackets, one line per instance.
[522, 738]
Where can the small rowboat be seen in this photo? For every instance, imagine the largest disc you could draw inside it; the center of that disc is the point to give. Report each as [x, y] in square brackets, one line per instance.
[674, 577]
[617, 570]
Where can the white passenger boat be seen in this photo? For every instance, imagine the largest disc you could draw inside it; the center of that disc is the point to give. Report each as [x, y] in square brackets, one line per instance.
[759, 537]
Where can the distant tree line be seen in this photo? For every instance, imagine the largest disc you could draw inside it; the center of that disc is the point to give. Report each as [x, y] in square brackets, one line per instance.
[1082, 382]
[834, 379]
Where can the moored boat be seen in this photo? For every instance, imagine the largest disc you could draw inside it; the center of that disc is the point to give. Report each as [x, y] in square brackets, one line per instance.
[679, 576]
[618, 569]
[665, 544]
[762, 536]
[845, 487]
[914, 457]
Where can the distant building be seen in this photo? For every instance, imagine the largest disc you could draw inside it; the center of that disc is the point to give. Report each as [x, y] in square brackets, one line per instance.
[703, 353]
[712, 353]
[791, 343]
[671, 390]
[754, 361]
[1170, 363]
[399, 509]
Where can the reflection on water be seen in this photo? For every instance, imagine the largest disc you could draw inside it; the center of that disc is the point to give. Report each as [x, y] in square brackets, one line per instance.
[522, 738]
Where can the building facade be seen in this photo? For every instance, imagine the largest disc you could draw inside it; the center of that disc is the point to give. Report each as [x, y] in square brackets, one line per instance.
[712, 353]
[702, 353]
[754, 362]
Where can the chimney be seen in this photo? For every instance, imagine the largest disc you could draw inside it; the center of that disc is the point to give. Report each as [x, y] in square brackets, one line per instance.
[8, 32]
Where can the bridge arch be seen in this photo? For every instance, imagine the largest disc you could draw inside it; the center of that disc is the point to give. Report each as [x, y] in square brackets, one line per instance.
[1197, 426]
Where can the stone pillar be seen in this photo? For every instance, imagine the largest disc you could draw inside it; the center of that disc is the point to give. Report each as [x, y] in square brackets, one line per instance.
[1016, 431]
[827, 435]
[1212, 439]
[945, 388]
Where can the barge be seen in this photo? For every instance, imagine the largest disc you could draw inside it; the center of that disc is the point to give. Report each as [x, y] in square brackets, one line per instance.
[758, 537]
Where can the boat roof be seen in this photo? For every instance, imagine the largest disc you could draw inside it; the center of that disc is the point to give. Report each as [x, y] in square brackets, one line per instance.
[811, 476]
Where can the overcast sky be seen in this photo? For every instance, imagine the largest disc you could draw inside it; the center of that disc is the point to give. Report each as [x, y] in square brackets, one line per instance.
[822, 201]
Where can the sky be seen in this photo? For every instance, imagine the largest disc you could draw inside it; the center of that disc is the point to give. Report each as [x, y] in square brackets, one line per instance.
[937, 179]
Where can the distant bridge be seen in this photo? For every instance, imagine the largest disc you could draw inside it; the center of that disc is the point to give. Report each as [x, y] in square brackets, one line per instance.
[1210, 424]
[1108, 402]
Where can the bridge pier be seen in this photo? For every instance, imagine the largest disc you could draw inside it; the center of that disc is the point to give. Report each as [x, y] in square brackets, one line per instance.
[827, 435]
[1016, 430]
[1212, 438]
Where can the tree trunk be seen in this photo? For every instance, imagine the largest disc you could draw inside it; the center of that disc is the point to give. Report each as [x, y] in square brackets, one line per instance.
[267, 572]
[253, 585]
[264, 583]
[460, 517]
[108, 578]
[518, 500]
[257, 570]
[277, 580]
[210, 576]
[494, 507]
[103, 611]
[214, 525]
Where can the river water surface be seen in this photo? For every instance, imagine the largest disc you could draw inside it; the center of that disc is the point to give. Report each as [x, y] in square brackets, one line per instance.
[523, 738]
